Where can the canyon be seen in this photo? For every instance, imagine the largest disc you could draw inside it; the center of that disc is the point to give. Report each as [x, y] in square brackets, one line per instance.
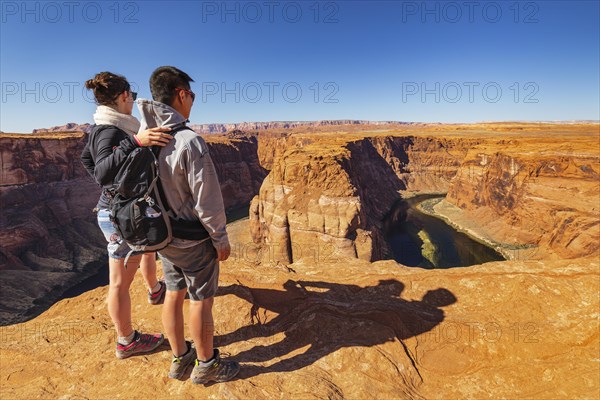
[310, 300]
[527, 194]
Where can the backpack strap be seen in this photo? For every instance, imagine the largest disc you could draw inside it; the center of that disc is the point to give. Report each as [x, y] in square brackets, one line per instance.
[172, 132]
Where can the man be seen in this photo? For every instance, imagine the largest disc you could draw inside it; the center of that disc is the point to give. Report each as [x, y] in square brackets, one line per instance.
[191, 188]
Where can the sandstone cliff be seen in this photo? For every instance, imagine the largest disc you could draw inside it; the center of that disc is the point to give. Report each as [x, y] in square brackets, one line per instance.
[538, 193]
[48, 238]
[238, 167]
[338, 330]
[333, 194]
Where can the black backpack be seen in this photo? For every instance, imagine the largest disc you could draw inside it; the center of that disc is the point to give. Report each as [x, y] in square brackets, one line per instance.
[137, 208]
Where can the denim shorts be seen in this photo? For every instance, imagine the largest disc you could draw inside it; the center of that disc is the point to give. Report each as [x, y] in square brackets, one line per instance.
[117, 247]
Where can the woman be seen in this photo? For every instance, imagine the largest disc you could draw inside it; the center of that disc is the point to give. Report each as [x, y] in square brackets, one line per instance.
[113, 137]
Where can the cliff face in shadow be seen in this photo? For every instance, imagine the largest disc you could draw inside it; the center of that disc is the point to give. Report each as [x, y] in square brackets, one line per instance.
[48, 236]
[238, 167]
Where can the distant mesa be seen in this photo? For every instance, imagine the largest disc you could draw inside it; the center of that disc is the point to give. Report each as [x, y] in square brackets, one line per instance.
[240, 127]
[69, 127]
[254, 126]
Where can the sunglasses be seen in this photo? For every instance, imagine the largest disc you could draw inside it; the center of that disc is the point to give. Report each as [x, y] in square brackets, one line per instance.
[133, 94]
[188, 92]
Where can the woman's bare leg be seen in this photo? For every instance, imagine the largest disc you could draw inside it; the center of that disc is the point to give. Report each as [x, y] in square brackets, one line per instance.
[148, 270]
[119, 301]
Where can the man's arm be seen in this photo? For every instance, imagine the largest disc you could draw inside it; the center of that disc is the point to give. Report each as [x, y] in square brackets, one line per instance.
[206, 192]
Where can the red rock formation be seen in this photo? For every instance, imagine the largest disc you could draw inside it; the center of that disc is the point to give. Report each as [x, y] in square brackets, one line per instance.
[238, 167]
[331, 195]
[333, 325]
[504, 192]
[538, 191]
[47, 230]
[43, 188]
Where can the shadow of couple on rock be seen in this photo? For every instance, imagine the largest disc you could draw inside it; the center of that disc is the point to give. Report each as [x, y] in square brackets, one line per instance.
[319, 318]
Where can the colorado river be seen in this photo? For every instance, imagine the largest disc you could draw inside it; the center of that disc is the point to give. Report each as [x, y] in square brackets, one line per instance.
[428, 242]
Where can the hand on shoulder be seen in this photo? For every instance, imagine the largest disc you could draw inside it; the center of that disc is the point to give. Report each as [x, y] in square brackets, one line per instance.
[154, 137]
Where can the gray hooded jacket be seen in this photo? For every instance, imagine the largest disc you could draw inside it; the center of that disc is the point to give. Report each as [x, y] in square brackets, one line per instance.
[187, 173]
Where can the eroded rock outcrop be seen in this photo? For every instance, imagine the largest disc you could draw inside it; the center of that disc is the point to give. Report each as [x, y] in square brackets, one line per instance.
[238, 167]
[332, 194]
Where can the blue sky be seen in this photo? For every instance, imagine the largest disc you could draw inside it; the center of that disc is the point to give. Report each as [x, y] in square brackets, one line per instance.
[446, 61]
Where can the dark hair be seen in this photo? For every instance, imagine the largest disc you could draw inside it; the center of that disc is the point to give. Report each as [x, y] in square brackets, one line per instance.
[163, 82]
[107, 87]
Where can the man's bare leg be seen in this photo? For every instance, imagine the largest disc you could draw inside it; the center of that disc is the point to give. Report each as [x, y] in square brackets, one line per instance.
[172, 318]
[202, 327]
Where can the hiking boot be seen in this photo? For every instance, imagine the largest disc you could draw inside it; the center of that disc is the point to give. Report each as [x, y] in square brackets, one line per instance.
[141, 343]
[180, 364]
[217, 371]
[158, 297]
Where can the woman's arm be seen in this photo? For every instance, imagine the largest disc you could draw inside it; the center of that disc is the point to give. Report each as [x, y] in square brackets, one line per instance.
[112, 147]
[87, 160]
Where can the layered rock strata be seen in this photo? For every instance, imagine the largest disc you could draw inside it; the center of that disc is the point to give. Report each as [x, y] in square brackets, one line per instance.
[331, 196]
[534, 198]
[336, 194]
[48, 236]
